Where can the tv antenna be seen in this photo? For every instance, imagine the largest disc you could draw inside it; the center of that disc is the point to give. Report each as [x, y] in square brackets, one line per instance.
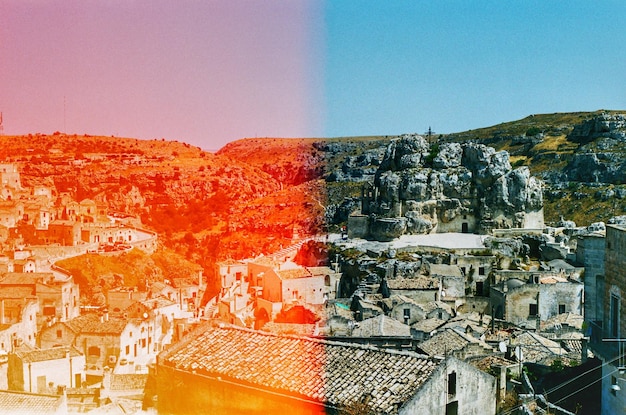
[429, 134]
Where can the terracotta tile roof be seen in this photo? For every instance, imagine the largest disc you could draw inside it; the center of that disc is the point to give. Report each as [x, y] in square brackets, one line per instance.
[290, 328]
[381, 325]
[90, 323]
[17, 292]
[290, 274]
[447, 341]
[12, 403]
[121, 382]
[428, 325]
[328, 372]
[158, 302]
[41, 355]
[229, 261]
[25, 278]
[552, 279]
[488, 362]
[264, 260]
[564, 319]
[321, 270]
[536, 348]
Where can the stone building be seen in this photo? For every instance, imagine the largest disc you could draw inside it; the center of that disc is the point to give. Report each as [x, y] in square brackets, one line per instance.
[34, 370]
[58, 296]
[609, 340]
[231, 370]
[526, 303]
[590, 250]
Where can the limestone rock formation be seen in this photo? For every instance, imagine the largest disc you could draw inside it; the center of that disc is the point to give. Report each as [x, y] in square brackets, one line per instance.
[448, 187]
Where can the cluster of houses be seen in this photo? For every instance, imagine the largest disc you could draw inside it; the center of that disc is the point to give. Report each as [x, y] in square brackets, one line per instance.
[388, 330]
[56, 354]
[471, 306]
[38, 216]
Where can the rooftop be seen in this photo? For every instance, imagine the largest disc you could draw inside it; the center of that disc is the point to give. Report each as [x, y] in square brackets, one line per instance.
[447, 341]
[12, 403]
[381, 325]
[42, 355]
[419, 283]
[331, 373]
[290, 274]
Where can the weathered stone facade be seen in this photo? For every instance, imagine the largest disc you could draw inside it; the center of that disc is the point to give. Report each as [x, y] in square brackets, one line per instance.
[447, 187]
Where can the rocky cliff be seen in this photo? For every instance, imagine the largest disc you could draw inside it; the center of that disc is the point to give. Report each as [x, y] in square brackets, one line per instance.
[422, 188]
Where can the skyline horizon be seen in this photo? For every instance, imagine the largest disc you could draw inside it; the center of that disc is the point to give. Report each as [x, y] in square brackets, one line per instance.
[215, 72]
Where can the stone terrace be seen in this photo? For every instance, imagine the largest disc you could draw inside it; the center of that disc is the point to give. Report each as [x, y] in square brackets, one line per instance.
[332, 373]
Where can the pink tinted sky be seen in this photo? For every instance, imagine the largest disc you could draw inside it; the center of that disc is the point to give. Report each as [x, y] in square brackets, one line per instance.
[203, 72]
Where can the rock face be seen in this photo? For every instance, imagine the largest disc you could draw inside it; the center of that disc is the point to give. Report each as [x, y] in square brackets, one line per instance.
[599, 159]
[604, 125]
[448, 187]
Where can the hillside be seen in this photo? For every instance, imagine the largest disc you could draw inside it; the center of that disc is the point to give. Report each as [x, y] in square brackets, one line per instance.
[205, 206]
[254, 195]
[580, 156]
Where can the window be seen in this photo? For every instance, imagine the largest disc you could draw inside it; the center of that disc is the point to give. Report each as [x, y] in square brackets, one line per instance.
[481, 270]
[532, 310]
[49, 310]
[407, 315]
[452, 408]
[452, 383]
[127, 350]
[561, 308]
[479, 288]
[614, 316]
[93, 351]
[59, 334]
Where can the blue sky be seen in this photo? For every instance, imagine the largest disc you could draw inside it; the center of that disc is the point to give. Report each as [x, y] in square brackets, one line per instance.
[395, 67]
[211, 72]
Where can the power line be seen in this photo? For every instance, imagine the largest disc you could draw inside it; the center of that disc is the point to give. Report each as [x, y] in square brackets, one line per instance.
[547, 393]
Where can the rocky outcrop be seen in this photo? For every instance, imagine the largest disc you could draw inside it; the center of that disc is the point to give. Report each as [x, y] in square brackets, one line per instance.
[604, 125]
[419, 188]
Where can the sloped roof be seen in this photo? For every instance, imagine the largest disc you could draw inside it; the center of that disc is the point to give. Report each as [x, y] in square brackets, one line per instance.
[447, 341]
[331, 373]
[427, 325]
[91, 324]
[381, 325]
[290, 274]
[42, 355]
[536, 348]
[12, 403]
[128, 381]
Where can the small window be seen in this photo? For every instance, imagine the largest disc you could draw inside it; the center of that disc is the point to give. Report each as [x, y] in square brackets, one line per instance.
[59, 334]
[452, 408]
[561, 308]
[452, 383]
[127, 350]
[532, 310]
[481, 270]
